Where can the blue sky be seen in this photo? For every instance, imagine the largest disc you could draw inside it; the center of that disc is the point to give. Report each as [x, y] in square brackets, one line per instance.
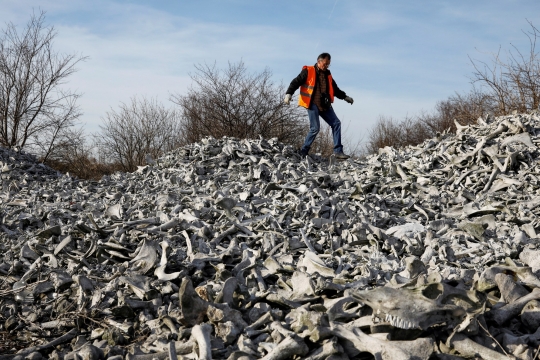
[395, 57]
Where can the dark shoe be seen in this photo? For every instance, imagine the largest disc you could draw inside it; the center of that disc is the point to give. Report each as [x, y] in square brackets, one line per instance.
[302, 153]
[341, 156]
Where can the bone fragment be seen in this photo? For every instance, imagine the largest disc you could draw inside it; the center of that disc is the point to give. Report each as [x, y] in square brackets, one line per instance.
[359, 342]
[530, 315]
[291, 346]
[470, 349]
[201, 334]
[160, 270]
[192, 307]
[329, 348]
[511, 310]
[227, 292]
[276, 246]
[510, 291]
[60, 340]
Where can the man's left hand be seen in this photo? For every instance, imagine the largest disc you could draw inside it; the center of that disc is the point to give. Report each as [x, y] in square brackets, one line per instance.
[349, 99]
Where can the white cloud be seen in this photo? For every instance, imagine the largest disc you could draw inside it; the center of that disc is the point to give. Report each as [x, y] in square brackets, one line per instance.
[141, 57]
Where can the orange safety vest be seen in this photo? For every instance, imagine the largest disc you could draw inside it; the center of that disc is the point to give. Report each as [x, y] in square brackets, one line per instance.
[306, 90]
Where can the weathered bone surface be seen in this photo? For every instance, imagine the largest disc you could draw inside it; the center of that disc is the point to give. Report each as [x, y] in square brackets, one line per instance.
[241, 249]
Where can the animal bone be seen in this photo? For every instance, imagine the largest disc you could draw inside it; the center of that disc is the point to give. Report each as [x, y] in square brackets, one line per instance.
[180, 347]
[466, 347]
[511, 310]
[408, 309]
[193, 308]
[227, 292]
[292, 345]
[314, 264]
[160, 270]
[201, 334]
[359, 342]
[510, 291]
[530, 315]
[276, 244]
[329, 348]
[146, 258]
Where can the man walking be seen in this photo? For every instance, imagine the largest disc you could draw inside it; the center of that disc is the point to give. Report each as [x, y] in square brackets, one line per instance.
[317, 91]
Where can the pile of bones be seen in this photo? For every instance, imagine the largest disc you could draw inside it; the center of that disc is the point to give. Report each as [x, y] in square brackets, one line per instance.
[241, 249]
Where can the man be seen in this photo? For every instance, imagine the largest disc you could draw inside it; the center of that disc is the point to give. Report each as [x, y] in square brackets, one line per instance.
[317, 91]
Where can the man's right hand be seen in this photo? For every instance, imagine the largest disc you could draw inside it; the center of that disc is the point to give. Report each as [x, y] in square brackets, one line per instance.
[287, 99]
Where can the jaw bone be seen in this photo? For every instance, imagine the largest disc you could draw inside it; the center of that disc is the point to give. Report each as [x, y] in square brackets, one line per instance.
[409, 308]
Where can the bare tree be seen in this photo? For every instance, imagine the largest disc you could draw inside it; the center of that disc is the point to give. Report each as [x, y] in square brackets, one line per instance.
[390, 132]
[34, 108]
[142, 127]
[509, 83]
[465, 108]
[233, 102]
[512, 82]
[75, 155]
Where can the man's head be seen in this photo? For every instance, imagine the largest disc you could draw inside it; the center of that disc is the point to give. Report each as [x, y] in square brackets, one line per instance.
[323, 61]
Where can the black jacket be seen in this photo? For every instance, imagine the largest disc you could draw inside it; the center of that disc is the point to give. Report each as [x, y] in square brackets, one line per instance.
[301, 80]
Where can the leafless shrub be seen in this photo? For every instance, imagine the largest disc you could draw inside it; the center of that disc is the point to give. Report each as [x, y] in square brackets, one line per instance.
[83, 166]
[513, 82]
[390, 132]
[142, 127]
[466, 109]
[74, 155]
[506, 85]
[35, 111]
[233, 102]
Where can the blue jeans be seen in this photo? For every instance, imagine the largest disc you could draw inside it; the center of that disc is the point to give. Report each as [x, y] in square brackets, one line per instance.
[314, 127]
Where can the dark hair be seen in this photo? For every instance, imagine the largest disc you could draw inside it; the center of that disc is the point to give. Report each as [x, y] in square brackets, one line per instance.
[324, 56]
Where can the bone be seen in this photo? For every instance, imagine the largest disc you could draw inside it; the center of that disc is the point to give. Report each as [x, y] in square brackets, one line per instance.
[530, 315]
[180, 348]
[90, 352]
[160, 270]
[510, 291]
[60, 340]
[470, 349]
[360, 342]
[201, 334]
[267, 249]
[286, 349]
[226, 294]
[531, 258]
[329, 348]
[505, 313]
[192, 307]
[408, 309]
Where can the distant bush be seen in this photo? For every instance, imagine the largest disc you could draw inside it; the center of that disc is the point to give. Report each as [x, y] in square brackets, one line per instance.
[504, 86]
[84, 167]
[79, 158]
[233, 102]
[512, 82]
[140, 128]
[466, 109]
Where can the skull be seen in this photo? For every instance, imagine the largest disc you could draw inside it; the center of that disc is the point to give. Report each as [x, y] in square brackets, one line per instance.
[422, 306]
